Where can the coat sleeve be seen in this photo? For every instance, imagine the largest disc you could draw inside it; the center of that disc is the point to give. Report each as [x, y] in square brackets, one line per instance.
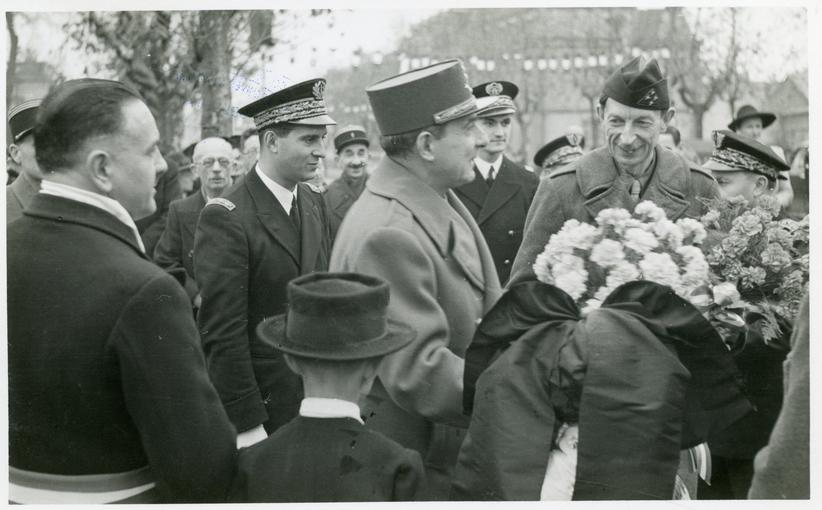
[221, 266]
[424, 377]
[545, 218]
[409, 479]
[170, 397]
[168, 254]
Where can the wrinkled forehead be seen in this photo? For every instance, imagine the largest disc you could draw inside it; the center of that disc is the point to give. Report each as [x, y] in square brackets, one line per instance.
[616, 109]
[213, 148]
[353, 148]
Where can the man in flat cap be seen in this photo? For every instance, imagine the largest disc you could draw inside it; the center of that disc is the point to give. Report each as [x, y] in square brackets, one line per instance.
[109, 396]
[751, 122]
[501, 193]
[266, 230]
[351, 144]
[175, 249]
[556, 154]
[634, 110]
[409, 228]
[21, 151]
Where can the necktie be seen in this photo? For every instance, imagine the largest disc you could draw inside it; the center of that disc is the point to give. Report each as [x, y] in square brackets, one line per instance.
[490, 178]
[635, 189]
[295, 213]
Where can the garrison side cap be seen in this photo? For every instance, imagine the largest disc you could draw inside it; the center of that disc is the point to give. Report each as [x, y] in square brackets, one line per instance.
[21, 119]
[302, 103]
[350, 134]
[419, 98]
[734, 152]
[639, 85]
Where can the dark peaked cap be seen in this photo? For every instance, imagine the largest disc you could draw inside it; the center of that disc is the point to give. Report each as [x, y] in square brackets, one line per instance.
[21, 119]
[738, 153]
[639, 86]
[302, 103]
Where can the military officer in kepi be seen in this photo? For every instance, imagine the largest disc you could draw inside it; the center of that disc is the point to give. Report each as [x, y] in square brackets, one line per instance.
[501, 193]
[352, 146]
[264, 231]
[634, 110]
[556, 154]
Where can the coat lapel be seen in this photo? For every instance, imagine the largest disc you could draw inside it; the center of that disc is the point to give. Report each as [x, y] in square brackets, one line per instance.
[311, 229]
[502, 191]
[603, 186]
[275, 221]
[192, 211]
[476, 191]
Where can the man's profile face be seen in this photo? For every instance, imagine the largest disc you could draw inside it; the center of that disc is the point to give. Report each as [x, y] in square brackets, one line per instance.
[632, 133]
[353, 159]
[135, 159]
[456, 149]
[751, 127]
[23, 155]
[299, 154]
[498, 131]
[733, 184]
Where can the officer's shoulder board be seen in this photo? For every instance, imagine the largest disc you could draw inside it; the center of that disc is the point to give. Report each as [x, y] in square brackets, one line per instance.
[698, 169]
[568, 169]
[228, 204]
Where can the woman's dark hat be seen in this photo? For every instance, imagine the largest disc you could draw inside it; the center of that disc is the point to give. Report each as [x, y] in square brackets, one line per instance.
[749, 112]
[336, 316]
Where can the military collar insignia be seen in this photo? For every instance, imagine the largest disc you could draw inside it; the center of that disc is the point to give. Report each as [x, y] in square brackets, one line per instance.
[228, 204]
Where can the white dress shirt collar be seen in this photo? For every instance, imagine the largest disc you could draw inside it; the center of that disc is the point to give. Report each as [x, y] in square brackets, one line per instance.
[314, 407]
[97, 200]
[484, 167]
[283, 195]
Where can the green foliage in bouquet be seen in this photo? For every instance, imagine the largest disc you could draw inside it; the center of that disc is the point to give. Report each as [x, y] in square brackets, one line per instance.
[765, 256]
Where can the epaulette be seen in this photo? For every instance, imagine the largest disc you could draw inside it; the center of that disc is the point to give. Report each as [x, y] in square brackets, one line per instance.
[568, 169]
[315, 188]
[228, 204]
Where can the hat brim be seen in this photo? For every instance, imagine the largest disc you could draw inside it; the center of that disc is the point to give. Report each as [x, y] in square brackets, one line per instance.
[494, 112]
[397, 335]
[320, 120]
[346, 143]
[716, 166]
[767, 119]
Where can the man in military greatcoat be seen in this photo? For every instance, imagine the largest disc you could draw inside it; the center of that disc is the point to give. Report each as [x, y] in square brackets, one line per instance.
[351, 144]
[266, 230]
[21, 152]
[501, 193]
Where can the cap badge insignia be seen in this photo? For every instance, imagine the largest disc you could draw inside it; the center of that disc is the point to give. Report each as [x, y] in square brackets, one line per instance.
[573, 139]
[318, 90]
[493, 89]
[718, 139]
[649, 99]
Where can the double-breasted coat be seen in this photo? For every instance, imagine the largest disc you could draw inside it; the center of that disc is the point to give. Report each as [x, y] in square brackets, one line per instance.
[246, 250]
[442, 280]
[175, 249]
[106, 372]
[328, 460]
[593, 183]
[500, 210]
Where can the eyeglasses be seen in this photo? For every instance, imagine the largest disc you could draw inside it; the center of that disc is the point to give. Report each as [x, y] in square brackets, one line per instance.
[209, 162]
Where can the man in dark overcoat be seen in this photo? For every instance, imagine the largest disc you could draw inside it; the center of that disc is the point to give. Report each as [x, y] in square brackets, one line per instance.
[634, 110]
[21, 153]
[266, 230]
[109, 397]
[175, 249]
[351, 144]
[502, 191]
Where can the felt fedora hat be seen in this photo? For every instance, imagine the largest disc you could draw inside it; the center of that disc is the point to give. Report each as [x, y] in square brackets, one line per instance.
[749, 112]
[336, 316]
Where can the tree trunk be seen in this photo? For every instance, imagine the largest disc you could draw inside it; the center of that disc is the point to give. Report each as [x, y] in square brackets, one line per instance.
[698, 113]
[11, 68]
[216, 66]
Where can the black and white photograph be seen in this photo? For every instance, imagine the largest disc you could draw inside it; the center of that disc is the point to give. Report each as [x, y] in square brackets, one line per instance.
[441, 252]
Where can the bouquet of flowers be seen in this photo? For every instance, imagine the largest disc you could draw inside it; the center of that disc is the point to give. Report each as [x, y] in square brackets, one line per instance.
[766, 257]
[591, 261]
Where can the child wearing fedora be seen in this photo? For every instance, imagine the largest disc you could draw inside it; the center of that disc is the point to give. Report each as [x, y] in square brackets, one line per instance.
[334, 335]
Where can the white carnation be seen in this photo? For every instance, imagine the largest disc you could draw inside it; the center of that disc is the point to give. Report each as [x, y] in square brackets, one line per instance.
[614, 217]
[607, 253]
[571, 276]
[650, 211]
[668, 231]
[660, 268]
[696, 270]
[542, 268]
[640, 241]
[620, 274]
[590, 305]
[692, 230]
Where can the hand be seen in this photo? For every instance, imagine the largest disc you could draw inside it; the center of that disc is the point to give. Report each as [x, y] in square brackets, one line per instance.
[198, 301]
[251, 436]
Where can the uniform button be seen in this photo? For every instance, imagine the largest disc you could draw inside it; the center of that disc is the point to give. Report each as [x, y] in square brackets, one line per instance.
[506, 261]
[479, 320]
[511, 233]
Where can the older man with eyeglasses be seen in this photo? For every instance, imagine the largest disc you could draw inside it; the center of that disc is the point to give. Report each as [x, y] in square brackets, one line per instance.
[175, 250]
